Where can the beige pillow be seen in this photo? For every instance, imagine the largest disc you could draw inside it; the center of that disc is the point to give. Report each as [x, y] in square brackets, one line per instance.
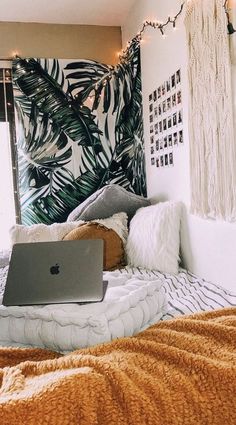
[113, 245]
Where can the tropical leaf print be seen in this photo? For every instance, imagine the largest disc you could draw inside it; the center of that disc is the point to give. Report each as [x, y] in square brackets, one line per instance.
[65, 111]
[79, 128]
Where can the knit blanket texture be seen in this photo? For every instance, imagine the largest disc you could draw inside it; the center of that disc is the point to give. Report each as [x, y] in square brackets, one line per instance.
[177, 372]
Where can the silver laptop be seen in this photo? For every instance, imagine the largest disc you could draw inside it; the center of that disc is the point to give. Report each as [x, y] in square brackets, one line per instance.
[55, 272]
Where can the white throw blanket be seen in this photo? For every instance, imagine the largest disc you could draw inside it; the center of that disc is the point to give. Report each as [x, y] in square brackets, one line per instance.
[131, 304]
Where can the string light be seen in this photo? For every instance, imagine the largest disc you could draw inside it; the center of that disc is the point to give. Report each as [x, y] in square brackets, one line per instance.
[159, 25]
[124, 54]
[137, 40]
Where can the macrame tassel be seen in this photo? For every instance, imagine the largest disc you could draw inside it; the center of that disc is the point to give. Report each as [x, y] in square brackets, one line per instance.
[212, 145]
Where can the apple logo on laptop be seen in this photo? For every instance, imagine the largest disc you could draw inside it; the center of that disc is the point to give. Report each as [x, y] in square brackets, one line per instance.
[55, 269]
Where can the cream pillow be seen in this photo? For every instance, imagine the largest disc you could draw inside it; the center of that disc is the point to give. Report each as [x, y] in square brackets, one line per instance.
[56, 232]
[154, 237]
[41, 232]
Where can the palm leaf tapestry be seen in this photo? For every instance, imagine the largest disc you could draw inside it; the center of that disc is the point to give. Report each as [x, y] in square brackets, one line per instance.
[79, 127]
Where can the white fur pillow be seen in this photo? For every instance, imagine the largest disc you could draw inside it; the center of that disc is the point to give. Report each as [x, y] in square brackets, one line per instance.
[56, 232]
[154, 237]
[41, 232]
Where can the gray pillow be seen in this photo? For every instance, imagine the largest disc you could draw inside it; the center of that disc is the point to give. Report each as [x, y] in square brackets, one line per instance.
[108, 200]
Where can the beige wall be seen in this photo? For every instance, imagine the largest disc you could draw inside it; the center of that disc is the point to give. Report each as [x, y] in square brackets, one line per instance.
[60, 41]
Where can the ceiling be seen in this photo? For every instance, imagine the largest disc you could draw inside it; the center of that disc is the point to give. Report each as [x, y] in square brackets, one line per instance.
[87, 12]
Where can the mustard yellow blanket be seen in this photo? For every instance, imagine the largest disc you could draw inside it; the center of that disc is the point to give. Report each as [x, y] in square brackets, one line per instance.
[175, 373]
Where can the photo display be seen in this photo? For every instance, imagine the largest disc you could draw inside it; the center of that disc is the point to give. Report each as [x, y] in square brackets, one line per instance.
[166, 121]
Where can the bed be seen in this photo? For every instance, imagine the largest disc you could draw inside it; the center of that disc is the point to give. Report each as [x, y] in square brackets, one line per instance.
[180, 371]
[160, 349]
[136, 299]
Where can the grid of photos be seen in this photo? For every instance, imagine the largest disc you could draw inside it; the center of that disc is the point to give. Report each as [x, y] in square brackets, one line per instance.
[166, 121]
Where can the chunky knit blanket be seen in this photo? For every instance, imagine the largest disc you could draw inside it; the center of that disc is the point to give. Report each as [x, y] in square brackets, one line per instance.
[177, 372]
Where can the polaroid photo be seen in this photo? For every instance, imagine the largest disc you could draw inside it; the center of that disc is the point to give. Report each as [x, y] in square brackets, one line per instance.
[156, 127]
[178, 77]
[155, 112]
[164, 106]
[152, 140]
[165, 142]
[171, 159]
[168, 103]
[155, 96]
[164, 125]
[151, 118]
[160, 127]
[157, 145]
[174, 119]
[166, 159]
[151, 129]
[169, 122]
[181, 138]
[150, 97]
[173, 81]
[168, 85]
[170, 141]
[152, 161]
[175, 139]
[163, 89]
[179, 97]
[152, 150]
[174, 100]
[180, 117]
[161, 145]
[159, 92]
[162, 160]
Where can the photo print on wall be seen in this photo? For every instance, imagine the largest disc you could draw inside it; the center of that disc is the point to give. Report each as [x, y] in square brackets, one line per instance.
[166, 121]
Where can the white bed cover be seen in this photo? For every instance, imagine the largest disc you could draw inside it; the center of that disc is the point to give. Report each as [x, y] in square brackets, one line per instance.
[137, 298]
[131, 304]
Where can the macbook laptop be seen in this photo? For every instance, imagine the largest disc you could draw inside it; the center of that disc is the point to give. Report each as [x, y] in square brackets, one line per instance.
[55, 272]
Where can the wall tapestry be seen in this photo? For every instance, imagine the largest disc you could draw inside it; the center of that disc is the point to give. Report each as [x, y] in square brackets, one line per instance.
[79, 127]
[212, 141]
[166, 121]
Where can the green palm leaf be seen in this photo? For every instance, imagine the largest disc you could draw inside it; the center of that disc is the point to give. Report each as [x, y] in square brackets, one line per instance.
[52, 113]
[78, 123]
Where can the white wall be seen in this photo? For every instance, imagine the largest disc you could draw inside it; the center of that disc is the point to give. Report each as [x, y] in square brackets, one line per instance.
[208, 247]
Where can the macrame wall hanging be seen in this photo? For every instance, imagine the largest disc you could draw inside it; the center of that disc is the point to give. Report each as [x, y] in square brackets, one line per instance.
[212, 142]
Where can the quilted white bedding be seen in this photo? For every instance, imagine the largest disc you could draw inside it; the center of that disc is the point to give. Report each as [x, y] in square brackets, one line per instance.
[131, 304]
[135, 299]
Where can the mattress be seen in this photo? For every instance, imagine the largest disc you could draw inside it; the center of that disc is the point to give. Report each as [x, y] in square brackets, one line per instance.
[137, 298]
[187, 293]
[132, 303]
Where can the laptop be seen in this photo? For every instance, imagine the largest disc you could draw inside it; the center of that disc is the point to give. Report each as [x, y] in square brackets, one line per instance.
[55, 272]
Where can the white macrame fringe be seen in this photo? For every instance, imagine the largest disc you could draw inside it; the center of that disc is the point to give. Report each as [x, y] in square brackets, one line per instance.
[212, 144]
